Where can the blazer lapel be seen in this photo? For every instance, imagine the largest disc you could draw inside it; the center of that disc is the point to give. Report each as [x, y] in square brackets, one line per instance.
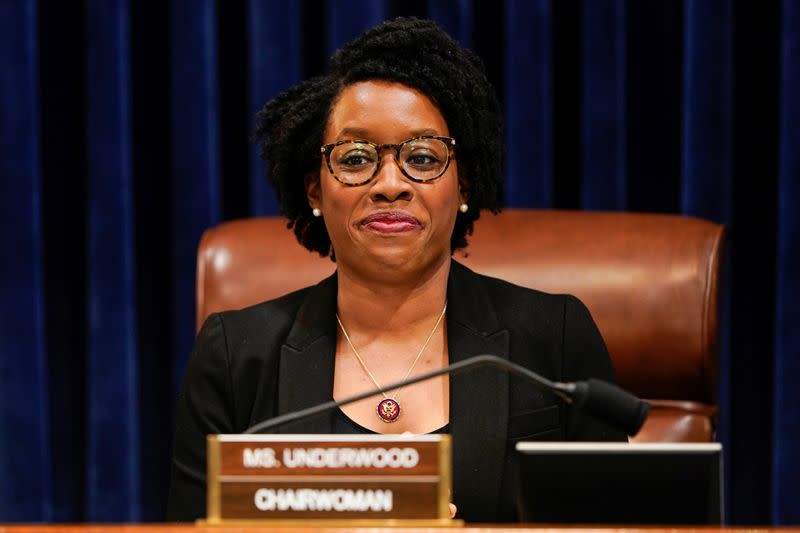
[307, 360]
[478, 397]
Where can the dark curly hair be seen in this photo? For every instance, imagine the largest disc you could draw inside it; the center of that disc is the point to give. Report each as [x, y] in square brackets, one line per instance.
[416, 53]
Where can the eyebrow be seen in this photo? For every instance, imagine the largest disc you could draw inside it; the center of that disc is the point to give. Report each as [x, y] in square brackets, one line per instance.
[363, 133]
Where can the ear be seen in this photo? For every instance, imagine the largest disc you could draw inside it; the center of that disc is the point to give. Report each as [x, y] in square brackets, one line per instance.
[313, 190]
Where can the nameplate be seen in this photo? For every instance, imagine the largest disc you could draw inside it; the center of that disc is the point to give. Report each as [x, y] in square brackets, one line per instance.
[374, 479]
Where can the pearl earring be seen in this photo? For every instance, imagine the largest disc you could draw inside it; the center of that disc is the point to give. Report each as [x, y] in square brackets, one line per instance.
[463, 208]
[316, 212]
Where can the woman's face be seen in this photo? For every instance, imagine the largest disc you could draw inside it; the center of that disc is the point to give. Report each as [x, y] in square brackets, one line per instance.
[391, 223]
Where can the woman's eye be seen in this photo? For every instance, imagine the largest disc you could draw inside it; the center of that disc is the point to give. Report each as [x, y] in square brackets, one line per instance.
[355, 160]
[422, 159]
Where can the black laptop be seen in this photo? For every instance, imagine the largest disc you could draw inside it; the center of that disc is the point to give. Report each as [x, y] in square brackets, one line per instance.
[605, 483]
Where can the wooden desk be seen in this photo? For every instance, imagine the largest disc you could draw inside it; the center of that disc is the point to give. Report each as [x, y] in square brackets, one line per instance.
[477, 528]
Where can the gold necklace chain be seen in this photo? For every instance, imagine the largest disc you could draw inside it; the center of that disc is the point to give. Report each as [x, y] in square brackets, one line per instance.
[364, 365]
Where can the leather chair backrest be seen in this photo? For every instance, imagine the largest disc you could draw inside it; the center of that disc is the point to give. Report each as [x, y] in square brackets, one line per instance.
[650, 281]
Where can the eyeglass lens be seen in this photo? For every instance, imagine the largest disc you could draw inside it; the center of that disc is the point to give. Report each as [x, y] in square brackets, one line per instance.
[422, 159]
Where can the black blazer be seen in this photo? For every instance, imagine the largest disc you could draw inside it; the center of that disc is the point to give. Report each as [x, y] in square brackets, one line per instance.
[278, 356]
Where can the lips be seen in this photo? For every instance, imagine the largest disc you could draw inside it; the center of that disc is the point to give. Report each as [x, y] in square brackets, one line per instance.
[390, 222]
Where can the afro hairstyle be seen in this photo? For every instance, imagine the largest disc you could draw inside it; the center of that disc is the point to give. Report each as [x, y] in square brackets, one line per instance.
[416, 53]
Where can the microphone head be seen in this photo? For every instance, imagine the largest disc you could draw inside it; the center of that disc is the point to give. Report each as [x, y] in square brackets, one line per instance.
[611, 404]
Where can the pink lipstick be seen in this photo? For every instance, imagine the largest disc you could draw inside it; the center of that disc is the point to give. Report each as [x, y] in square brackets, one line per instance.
[390, 222]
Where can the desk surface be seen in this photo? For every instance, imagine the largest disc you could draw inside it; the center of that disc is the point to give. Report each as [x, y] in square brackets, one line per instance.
[476, 528]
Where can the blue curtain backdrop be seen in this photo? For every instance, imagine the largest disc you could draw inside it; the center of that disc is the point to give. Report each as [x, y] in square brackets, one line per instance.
[124, 133]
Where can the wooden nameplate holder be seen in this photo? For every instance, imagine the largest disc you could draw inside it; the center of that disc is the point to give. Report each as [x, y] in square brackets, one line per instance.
[329, 480]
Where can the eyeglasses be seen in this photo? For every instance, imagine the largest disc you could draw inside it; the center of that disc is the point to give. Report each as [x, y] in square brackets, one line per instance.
[421, 159]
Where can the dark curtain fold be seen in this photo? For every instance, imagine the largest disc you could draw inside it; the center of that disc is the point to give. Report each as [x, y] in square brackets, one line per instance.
[345, 20]
[196, 153]
[124, 135]
[455, 17]
[274, 49]
[786, 403]
[113, 488]
[24, 394]
[603, 135]
[528, 103]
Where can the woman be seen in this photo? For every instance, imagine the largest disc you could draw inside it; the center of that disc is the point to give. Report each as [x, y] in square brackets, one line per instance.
[384, 164]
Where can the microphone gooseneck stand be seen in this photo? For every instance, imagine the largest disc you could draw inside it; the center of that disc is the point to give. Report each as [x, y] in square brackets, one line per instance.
[603, 400]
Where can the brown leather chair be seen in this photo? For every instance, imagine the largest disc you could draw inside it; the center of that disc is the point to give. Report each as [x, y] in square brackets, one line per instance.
[650, 281]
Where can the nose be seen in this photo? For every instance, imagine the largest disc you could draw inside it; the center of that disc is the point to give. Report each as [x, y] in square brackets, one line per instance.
[389, 184]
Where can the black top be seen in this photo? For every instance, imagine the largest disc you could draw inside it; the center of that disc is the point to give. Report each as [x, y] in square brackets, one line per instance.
[278, 356]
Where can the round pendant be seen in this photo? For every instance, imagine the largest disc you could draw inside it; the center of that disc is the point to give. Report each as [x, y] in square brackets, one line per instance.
[388, 410]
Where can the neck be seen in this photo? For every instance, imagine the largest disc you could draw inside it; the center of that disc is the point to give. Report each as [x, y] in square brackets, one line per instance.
[400, 307]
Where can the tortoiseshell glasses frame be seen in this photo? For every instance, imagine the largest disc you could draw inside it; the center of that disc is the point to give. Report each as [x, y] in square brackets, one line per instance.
[448, 144]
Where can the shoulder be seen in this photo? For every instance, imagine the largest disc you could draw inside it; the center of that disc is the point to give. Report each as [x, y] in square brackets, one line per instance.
[551, 333]
[551, 323]
[265, 318]
[520, 306]
[236, 354]
[254, 335]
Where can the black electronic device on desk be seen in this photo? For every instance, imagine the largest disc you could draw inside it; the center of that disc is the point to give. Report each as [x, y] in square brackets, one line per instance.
[618, 483]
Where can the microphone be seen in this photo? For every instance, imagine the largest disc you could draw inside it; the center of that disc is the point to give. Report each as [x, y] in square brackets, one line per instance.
[610, 403]
[606, 401]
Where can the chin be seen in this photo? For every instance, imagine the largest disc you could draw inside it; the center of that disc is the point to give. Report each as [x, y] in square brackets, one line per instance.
[397, 257]
[411, 260]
